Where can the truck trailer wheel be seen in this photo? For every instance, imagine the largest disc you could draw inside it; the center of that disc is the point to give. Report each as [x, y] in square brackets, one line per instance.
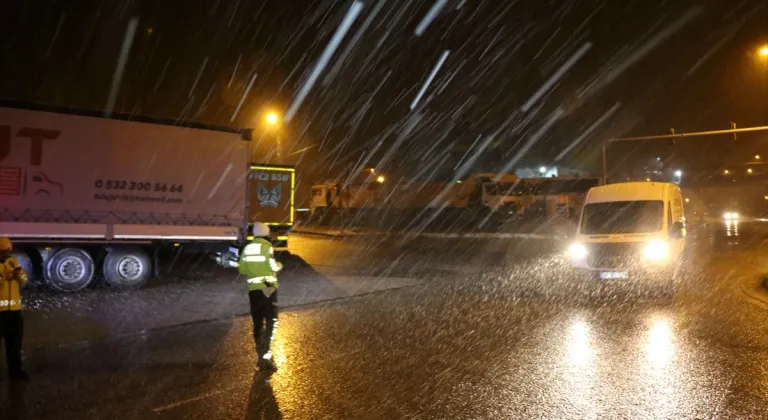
[127, 267]
[69, 270]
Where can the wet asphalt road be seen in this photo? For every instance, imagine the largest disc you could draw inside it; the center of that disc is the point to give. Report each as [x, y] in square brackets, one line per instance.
[504, 332]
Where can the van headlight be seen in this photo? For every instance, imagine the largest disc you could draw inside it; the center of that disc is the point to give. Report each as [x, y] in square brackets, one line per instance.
[577, 251]
[656, 250]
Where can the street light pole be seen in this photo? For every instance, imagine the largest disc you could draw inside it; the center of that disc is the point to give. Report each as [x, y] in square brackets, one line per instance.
[763, 52]
[605, 162]
[273, 120]
[279, 148]
[668, 137]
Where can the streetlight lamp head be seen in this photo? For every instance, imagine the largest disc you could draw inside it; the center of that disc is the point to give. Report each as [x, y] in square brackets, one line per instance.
[757, 157]
[543, 169]
[678, 173]
[764, 51]
[272, 118]
[380, 179]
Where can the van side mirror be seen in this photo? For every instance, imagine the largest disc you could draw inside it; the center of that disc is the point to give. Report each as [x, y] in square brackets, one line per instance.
[677, 230]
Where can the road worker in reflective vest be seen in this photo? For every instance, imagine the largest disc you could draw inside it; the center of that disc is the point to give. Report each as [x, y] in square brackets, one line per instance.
[12, 277]
[257, 263]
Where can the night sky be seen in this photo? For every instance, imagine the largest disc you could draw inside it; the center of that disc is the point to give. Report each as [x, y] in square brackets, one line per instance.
[518, 81]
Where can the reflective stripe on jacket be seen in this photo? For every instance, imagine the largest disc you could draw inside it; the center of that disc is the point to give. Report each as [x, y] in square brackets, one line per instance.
[12, 277]
[257, 263]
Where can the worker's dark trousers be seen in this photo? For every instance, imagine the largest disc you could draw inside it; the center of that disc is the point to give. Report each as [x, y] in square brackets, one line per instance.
[11, 331]
[263, 311]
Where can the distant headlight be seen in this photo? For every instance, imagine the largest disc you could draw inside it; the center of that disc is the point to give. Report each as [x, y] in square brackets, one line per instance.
[731, 216]
[577, 251]
[656, 250]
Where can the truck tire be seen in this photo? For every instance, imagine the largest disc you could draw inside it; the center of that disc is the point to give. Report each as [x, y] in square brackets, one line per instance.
[127, 268]
[26, 263]
[69, 270]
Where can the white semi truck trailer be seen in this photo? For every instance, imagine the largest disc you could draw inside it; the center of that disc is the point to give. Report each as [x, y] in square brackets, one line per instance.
[83, 195]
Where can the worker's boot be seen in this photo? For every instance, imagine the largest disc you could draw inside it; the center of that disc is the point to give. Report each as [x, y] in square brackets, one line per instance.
[266, 364]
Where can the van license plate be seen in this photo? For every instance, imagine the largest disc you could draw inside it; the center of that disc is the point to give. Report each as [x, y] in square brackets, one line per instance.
[613, 275]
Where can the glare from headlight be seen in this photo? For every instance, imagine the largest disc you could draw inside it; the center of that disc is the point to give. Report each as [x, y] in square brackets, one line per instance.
[656, 250]
[731, 216]
[577, 251]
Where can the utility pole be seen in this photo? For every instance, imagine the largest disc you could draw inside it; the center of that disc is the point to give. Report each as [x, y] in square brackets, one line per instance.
[672, 136]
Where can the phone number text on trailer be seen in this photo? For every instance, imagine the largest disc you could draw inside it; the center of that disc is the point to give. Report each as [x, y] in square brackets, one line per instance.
[138, 186]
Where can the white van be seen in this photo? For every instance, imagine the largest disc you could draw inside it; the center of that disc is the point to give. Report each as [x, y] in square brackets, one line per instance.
[630, 229]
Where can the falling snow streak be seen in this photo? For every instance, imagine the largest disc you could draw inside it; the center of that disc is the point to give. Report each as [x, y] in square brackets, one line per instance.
[429, 17]
[490, 44]
[642, 51]
[533, 140]
[440, 62]
[352, 43]
[162, 76]
[427, 154]
[438, 203]
[557, 76]
[234, 11]
[723, 39]
[242, 99]
[716, 47]
[450, 78]
[393, 24]
[588, 131]
[205, 100]
[368, 156]
[399, 97]
[321, 11]
[499, 15]
[467, 152]
[427, 168]
[295, 68]
[381, 83]
[471, 100]
[239, 57]
[55, 35]
[588, 19]
[291, 43]
[352, 14]
[411, 123]
[197, 78]
[549, 64]
[125, 49]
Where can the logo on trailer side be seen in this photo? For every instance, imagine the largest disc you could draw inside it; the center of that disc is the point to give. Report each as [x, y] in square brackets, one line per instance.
[15, 181]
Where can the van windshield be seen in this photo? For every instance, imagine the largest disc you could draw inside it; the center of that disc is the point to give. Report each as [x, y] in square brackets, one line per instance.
[622, 217]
